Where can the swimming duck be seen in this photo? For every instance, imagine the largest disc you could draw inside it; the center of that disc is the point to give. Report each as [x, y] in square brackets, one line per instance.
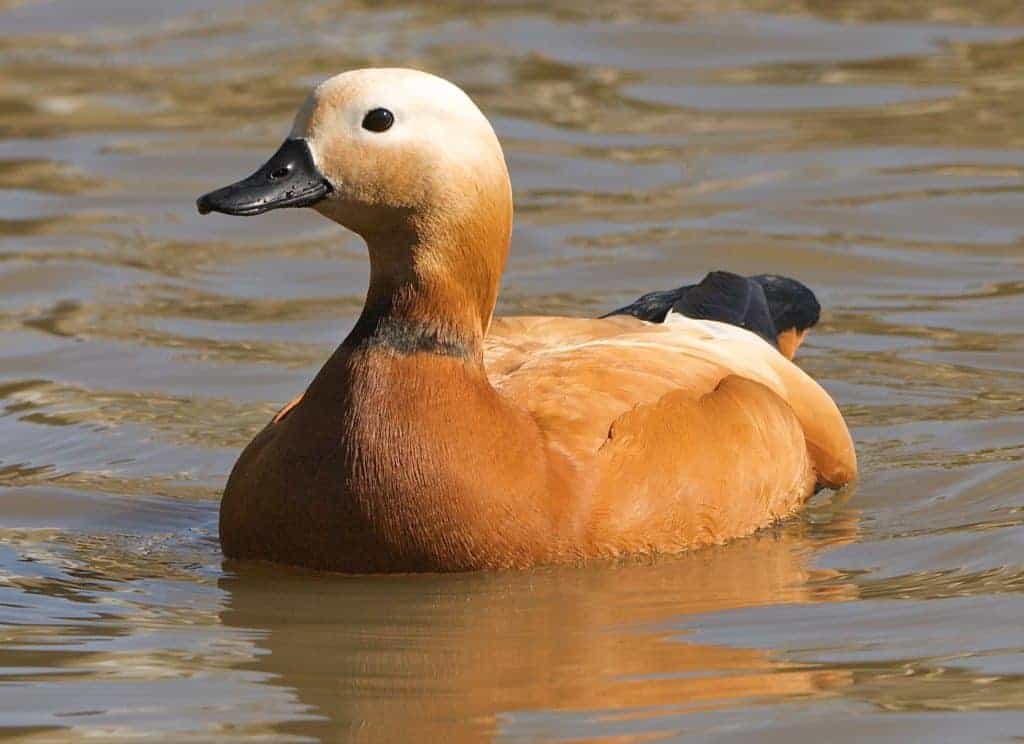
[440, 438]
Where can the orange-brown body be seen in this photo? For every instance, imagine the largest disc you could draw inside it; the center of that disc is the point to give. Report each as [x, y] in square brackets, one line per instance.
[436, 439]
[582, 448]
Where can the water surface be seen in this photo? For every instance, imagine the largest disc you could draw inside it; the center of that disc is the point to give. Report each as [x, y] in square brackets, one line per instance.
[873, 149]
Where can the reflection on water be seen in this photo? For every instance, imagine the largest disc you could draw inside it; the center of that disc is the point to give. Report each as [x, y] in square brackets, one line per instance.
[874, 149]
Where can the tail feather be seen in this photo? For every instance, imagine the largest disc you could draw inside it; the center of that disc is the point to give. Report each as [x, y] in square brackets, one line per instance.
[777, 308]
[793, 305]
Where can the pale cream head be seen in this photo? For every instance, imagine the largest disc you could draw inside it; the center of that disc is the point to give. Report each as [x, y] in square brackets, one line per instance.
[426, 186]
[439, 156]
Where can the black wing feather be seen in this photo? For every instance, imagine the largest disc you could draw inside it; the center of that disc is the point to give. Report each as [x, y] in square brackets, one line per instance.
[766, 304]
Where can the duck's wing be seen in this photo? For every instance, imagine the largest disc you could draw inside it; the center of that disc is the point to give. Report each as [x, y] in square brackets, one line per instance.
[579, 376]
[685, 472]
[729, 298]
[779, 309]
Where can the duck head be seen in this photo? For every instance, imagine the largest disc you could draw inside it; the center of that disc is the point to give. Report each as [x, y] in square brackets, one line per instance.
[406, 160]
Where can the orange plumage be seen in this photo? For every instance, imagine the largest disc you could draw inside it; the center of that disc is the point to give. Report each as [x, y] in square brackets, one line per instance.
[438, 439]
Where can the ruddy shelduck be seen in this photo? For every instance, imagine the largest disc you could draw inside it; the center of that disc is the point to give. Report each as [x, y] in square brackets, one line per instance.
[439, 438]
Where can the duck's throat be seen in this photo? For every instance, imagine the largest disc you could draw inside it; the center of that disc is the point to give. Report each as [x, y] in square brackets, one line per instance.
[432, 297]
[411, 312]
[407, 336]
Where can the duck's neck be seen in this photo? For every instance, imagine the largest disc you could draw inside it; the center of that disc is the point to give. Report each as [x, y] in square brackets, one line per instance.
[433, 286]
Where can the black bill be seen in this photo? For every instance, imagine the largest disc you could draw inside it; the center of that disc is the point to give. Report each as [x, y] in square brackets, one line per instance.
[289, 179]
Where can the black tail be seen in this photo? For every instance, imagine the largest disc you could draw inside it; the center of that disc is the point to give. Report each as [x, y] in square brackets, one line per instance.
[766, 304]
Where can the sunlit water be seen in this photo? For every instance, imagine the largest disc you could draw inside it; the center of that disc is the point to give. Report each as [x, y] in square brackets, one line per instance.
[873, 149]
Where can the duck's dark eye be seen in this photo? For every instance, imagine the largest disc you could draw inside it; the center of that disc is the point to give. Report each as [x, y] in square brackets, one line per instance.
[280, 172]
[378, 120]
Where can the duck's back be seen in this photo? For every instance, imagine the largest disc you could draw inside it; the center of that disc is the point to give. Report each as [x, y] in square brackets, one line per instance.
[688, 432]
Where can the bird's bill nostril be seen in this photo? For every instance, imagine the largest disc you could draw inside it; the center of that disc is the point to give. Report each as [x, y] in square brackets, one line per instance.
[289, 179]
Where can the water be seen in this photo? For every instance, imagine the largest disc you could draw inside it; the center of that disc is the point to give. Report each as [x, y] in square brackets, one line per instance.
[873, 149]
